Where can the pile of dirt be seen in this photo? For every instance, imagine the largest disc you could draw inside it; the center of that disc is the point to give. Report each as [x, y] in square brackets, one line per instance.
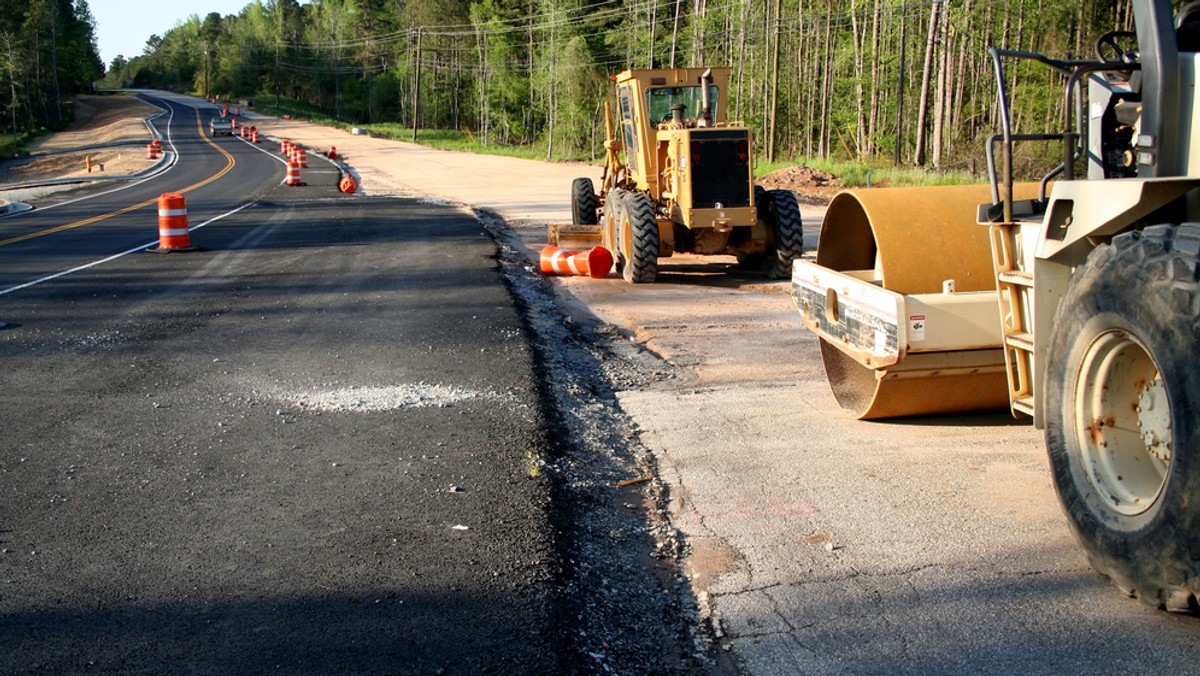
[109, 129]
[811, 186]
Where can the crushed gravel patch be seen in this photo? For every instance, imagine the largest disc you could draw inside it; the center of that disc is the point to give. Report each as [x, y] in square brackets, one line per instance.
[630, 608]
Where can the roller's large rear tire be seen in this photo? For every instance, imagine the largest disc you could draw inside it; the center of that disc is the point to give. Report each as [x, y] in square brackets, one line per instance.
[583, 202]
[1122, 392]
[638, 230]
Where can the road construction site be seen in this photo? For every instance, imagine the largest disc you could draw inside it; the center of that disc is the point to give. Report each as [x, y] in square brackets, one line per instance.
[814, 543]
[811, 542]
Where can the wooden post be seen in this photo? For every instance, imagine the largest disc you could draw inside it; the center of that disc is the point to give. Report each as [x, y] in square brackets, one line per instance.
[416, 113]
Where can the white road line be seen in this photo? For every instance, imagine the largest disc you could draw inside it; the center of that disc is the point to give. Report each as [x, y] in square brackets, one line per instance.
[114, 257]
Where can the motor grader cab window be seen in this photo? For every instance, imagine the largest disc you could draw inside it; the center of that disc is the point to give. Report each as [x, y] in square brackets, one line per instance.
[630, 129]
[660, 99]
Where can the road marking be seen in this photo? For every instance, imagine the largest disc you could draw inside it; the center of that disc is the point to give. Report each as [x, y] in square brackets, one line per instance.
[230, 162]
[140, 247]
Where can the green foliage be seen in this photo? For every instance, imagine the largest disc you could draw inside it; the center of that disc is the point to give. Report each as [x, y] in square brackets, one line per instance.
[47, 54]
[840, 80]
[881, 174]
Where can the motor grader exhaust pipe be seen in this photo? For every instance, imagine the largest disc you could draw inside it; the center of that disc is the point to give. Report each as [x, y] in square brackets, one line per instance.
[903, 296]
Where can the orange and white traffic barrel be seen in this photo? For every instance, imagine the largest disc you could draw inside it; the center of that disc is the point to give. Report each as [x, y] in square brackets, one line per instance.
[348, 185]
[302, 158]
[173, 224]
[293, 175]
[253, 135]
[151, 151]
[594, 263]
[283, 146]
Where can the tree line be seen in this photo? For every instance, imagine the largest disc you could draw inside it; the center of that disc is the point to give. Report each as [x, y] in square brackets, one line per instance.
[897, 79]
[47, 54]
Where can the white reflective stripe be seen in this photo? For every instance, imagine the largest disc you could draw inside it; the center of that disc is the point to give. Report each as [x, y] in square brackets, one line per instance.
[172, 212]
[556, 261]
[172, 232]
[563, 261]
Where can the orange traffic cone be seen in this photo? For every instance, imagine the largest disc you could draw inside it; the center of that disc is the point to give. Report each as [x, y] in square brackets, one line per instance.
[173, 224]
[332, 154]
[594, 263]
[293, 175]
[348, 185]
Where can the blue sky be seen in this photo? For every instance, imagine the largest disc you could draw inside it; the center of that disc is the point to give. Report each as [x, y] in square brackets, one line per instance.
[123, 26]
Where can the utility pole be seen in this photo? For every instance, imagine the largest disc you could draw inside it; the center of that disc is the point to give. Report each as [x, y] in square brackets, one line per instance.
[416, 106]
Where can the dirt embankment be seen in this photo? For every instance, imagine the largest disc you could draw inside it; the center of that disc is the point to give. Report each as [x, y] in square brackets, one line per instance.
[110, 129]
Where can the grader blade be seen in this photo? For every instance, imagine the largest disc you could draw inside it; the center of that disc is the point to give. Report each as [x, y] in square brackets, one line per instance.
[581, 237]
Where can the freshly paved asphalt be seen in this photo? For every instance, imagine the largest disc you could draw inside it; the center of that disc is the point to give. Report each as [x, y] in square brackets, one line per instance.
[311, 446]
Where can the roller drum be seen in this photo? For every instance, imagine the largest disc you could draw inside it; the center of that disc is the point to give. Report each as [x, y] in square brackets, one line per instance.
[914, 239]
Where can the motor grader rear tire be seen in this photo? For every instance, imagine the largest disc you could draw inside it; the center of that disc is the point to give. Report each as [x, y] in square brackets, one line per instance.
[637, 228]
[583, 202]
[1122, 392]
[782, 215]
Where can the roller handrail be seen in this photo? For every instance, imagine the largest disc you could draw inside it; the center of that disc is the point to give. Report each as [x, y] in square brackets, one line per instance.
[1073, 121]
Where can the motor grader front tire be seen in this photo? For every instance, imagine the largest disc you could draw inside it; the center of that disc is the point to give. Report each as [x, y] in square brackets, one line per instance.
[583, 202]
[637, 232]
[1122, 391]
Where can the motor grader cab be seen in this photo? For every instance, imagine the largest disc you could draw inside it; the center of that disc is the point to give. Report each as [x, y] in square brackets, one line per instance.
[1073, 301]
[679, 178]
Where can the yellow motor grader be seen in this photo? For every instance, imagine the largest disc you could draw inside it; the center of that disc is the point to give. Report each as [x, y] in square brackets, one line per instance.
[1074, 301]
[686, 184]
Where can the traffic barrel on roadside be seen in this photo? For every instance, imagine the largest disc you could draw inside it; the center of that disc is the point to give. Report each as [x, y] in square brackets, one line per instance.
[283, 146]
[348, 185]
[302, 158]
[594, 263]
[293, 175]
[173, 224]
[253, 135]
[151, 151]
[332, 154]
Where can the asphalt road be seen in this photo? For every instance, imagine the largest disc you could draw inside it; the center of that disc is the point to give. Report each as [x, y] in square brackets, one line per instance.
[312, 446]
[215, 175]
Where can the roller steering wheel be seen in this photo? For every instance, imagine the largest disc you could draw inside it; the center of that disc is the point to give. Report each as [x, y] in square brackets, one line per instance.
[1112, 41]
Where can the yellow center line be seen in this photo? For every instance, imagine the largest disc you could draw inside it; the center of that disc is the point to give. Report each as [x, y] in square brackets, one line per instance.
[124, 210]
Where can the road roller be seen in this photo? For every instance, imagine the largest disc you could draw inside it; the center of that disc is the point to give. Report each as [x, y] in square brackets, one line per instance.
[1073, 300]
